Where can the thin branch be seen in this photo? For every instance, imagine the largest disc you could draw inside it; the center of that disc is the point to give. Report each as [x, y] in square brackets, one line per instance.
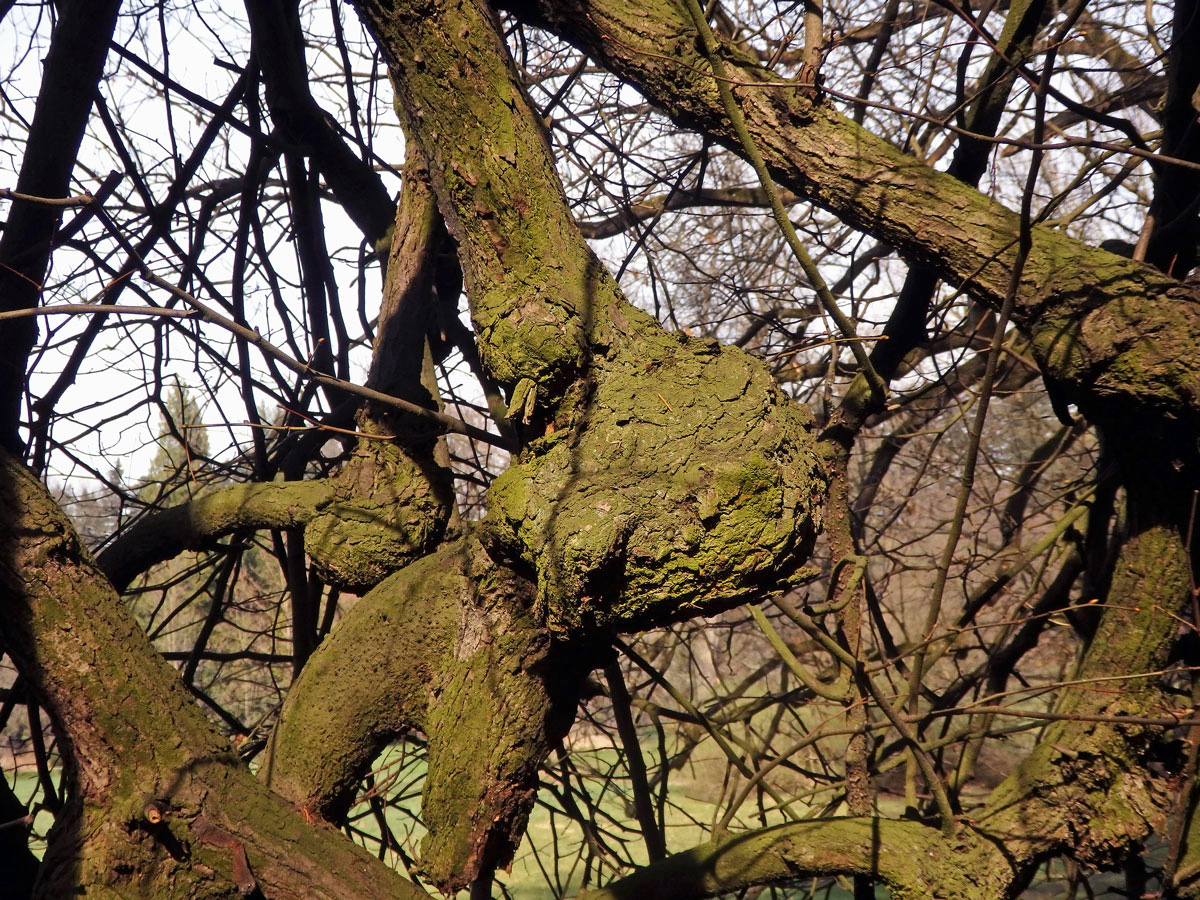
[738, 120]
[252, 336]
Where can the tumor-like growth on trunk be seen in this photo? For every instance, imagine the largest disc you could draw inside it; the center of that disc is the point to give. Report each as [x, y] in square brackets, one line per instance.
[679, 480]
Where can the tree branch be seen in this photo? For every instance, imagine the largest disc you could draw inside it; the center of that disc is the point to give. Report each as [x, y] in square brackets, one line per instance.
[195, 524]
[279, 51]
[71, 72]
[133, 737]
[445, 646]
[1105, 327]
[596, 381]
[907, 856]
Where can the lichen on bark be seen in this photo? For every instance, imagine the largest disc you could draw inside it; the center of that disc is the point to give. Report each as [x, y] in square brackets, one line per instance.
[679, 482]
[132, 733]
[389, 505]
[445, 647]
[663, 476]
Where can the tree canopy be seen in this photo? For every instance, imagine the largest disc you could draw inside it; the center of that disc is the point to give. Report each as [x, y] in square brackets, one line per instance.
[685, 449]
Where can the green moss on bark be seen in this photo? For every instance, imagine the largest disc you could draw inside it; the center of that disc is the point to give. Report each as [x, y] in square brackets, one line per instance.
[131, 732]
[496, 186]
[679, 482]
[390, 505]
[665, 476]
[1104, 326]
[445, 646]
[366, 683]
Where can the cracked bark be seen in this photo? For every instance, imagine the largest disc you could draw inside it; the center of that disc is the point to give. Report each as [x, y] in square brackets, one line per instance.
[133, 735]
[629, 507]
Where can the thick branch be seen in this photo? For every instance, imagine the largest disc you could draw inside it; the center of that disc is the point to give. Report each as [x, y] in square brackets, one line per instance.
[1086, 789]
[279, 51]
[133, 736]
[1103, 326]
[664, 475]
[1175, 210]
[386, 506]
[196, 524]
[444, 646]
[907, 856]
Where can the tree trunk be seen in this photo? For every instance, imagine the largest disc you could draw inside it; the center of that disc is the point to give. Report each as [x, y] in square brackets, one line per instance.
[158, 801]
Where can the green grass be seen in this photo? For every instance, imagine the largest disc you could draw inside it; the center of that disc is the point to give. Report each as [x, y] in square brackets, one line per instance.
[25, 786]
[552, 860]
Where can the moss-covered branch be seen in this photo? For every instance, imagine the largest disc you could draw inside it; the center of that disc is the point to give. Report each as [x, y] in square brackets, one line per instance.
[197, 523]
[376, 514]
[663, 476]
[907, 856]
[444, 646]
[391, 501]
[1104, 326]
[159, 804]
[1087, 789]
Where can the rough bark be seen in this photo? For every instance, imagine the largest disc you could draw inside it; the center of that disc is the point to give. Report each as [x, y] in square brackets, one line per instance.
[196, 523]
[663, 475]
[445, 647]
[382, 509]
[907, 856]
[1106, 328]
[628, 507]
[159, 803]
[581, 365]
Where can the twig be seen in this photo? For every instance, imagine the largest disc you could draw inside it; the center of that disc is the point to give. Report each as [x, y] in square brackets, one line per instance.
[74, 309]
[81, 200]
[738, 120]
[250, 335]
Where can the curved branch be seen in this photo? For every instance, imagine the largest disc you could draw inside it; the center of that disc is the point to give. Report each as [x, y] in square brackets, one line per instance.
[135, 741]
[1105, 327]
[1084, 790]
[196, 524]
[279, 51]
[909, 857]
[385, 507]
[445, 646]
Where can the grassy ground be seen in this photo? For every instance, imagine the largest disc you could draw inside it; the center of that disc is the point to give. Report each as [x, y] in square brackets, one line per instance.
[553, 859]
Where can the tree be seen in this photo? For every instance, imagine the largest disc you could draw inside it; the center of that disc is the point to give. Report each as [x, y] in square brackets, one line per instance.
[664, 481]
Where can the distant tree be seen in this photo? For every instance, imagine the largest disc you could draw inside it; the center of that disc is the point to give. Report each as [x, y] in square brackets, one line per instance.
[181, 441]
